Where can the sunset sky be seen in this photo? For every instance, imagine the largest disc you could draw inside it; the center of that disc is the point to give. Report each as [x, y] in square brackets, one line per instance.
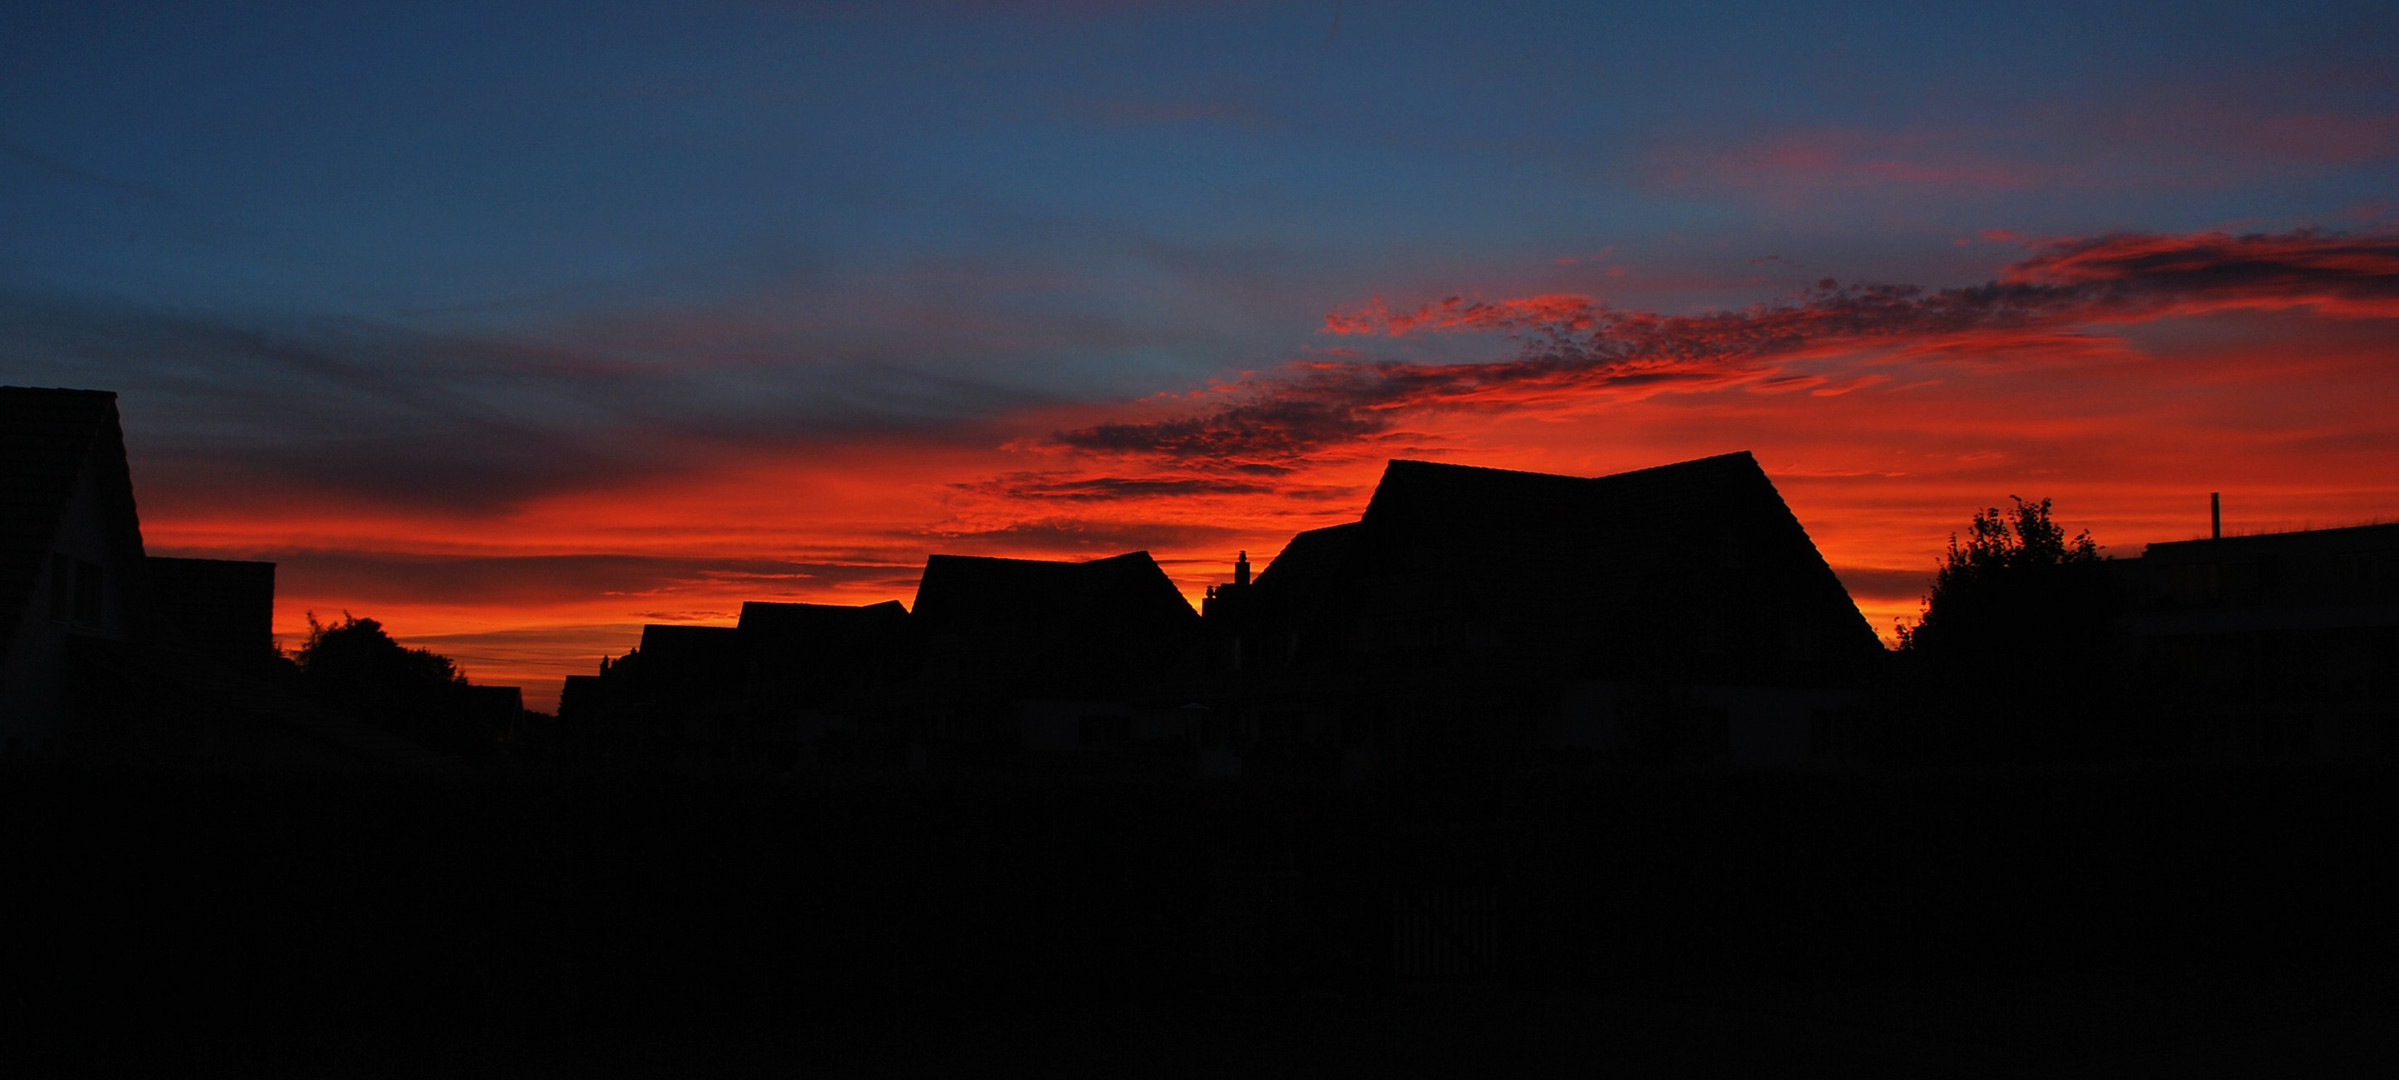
[516, 326]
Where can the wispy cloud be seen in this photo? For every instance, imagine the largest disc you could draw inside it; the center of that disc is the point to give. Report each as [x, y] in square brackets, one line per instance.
[368, 412]
[2139, 276]
[1572, 347]
[1074, 488]
[1068, 537]
[1550, 313]
[378, 577]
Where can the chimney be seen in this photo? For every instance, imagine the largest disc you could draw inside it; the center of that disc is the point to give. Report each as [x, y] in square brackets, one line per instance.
[2215, 515]
[1241, 570]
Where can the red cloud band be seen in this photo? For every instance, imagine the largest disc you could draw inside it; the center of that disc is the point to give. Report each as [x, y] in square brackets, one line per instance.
[2147, 276]
[1571, 345]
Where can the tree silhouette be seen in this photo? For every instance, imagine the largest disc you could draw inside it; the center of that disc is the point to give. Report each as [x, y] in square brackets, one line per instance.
[2004, 583]
[354, 666]
[2016, 655]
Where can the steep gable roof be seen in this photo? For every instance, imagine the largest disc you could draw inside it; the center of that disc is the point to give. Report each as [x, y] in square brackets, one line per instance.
[693, 663]
[1048, 627]
[1697, 565]
[1310, 554]
[817, 621]
[976, 587]
[47, 437]
[1420, 494]
[823, 657]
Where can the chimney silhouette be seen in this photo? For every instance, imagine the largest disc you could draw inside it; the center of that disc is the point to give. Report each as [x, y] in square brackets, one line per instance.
[1241, 570]
[2215, 515]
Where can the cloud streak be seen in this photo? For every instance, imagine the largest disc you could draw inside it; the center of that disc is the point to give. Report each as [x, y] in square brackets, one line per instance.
[1075, 488]
[1572, 348]
[372, 412]
[377, 578]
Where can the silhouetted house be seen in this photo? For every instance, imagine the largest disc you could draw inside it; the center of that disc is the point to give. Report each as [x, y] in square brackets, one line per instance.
[693, 663]
[823, 656]
[585, 727]
[1677, 612]
[788, 683]
[495, 712]
[2274, 645]
[1225, 612]
[70, 551]
[222, 607]
[88, 653]
[688, 689]
[1049, 658]
[817, 669]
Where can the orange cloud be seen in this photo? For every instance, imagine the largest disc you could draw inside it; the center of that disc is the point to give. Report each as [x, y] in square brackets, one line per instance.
[1557, 312]
[2135, 276]
[2127, 376]
[1573, 347]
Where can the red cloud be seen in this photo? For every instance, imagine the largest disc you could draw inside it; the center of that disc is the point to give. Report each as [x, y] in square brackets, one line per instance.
[2142, 276]
[1551, 312]
[1571, 346]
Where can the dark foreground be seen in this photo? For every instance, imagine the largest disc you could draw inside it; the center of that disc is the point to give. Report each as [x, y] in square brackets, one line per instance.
[2106, 923]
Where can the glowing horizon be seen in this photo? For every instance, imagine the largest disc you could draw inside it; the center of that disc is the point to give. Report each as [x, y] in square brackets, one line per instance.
[1885, 415]
[518, 326]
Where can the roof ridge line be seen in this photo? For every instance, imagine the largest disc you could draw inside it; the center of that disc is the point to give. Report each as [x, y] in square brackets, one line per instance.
[1730, 454]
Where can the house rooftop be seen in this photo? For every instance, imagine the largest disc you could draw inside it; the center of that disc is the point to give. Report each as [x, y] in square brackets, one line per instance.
[46, 435]
[974, 586]
[820, 620]
[1412, 491]
[1697, 563]
[1048, 627]
[2385, 534]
